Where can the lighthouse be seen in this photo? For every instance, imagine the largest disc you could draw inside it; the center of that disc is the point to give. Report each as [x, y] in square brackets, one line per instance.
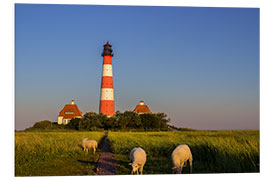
[106, 105]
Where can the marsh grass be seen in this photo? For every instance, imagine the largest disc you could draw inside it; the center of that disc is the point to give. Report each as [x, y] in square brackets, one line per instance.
[213, 151]
[61, 154]
[54, 153]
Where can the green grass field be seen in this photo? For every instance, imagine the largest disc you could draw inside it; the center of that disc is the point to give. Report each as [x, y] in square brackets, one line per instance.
[61, 154]
[54, 153]
[213, 151]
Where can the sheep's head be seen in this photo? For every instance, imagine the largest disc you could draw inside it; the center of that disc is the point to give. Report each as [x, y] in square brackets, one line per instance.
[134, 167]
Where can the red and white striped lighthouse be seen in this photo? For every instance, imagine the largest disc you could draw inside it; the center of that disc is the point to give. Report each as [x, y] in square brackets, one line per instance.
[106, 95]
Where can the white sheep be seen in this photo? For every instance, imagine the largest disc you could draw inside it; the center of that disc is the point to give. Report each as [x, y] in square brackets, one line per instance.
[87, 144]
[180, 156]
[138, 159]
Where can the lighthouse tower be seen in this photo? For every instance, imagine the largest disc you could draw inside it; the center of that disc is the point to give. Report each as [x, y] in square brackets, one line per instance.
[106, 95]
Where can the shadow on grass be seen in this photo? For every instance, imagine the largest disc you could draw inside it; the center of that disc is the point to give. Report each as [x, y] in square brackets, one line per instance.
[89, 164]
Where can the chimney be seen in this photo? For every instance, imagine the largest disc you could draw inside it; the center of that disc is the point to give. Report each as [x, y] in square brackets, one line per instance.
[72, 102]
[141, 102]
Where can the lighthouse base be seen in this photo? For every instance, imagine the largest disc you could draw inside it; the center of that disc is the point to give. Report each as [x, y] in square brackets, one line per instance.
[107, 107]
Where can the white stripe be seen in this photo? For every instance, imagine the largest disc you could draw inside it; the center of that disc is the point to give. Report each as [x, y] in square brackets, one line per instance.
[106, 94]
[107, 70]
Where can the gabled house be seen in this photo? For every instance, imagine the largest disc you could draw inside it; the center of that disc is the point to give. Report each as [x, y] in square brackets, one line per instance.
[69, 112]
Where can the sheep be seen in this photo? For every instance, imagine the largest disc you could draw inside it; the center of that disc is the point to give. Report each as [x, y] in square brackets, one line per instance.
[87, 144]
[138, 159]
[180, 156]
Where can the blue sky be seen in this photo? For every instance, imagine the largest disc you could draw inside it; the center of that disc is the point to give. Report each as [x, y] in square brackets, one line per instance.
[198, 65]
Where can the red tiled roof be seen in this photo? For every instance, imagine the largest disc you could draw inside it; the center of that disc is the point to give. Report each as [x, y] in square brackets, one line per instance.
[70, 111]
[142, 109]
[70, 116]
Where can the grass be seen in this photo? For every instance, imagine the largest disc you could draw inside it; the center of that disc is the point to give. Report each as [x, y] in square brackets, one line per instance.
[54, 153]
[61, 154]
[213, 151]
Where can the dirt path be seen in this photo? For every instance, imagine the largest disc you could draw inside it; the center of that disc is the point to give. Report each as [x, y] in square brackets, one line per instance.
[106, 162]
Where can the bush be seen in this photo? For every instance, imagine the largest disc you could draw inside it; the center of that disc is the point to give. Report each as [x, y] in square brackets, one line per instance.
[73, 124]
[155, 121]
[127, 121]
[46, 124]
[90, 120]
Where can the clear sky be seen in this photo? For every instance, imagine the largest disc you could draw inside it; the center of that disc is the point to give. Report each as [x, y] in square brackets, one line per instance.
[198, 65]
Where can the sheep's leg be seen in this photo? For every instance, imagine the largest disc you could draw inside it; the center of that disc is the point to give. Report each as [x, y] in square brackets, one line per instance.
[94, 150]
[87, 150]
[138, 171]
[141, 169]
[190, 164]
[132, 171]
[181, 168]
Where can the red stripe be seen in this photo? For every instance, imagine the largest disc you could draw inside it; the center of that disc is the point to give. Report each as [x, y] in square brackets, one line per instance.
[107, 59]
[107, 82]
[107, 107]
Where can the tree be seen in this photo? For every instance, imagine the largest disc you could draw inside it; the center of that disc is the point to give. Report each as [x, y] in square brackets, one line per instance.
[163, 120]
[103, 119]
[116, 118]
[123, 121]
[134, 120]
[90, 121]
[73, 123]
[114, 122]
[146, 120]
[154, 121]
[128, 120]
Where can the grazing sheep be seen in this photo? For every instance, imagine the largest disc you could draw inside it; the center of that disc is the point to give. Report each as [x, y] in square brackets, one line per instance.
[138, 159]
[87, 144]
[180, 156]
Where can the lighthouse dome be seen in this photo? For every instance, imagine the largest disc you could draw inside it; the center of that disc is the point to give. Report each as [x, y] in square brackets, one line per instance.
[107, 49]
